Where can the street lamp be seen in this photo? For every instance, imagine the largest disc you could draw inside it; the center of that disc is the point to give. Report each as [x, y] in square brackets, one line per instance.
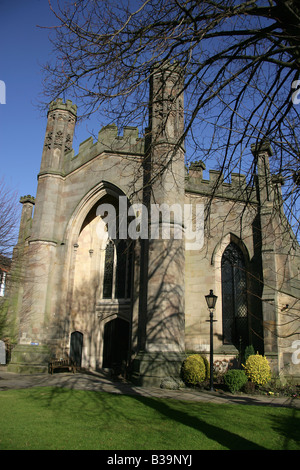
[211, 301]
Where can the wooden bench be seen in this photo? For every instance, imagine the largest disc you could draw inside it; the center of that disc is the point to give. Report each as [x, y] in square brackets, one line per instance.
[62, 364]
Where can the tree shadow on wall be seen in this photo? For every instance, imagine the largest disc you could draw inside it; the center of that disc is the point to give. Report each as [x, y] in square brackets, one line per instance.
[187, 415]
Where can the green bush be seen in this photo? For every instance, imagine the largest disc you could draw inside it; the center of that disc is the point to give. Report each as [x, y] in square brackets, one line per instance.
[258, 369]
[235, 379]
[249, 351]
[195, 369]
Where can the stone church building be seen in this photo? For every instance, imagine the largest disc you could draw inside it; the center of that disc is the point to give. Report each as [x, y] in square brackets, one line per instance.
[109, 272]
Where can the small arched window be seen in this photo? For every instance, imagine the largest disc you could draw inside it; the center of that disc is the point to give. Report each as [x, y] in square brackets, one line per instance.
[234, 297]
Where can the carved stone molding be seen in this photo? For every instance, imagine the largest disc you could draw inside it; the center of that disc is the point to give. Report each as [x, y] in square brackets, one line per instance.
[58, 141]
[48, 140]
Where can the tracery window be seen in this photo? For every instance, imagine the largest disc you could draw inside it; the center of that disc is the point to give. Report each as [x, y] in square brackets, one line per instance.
[117, 270]
[234, 297]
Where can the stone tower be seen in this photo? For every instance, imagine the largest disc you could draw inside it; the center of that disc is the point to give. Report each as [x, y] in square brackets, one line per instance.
[39, 253]
[58, 140]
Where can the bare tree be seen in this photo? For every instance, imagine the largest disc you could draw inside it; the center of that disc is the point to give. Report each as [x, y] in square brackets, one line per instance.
[9, 219]
[241, 64]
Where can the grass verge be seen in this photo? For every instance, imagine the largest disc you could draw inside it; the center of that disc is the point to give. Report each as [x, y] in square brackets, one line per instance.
[58, 419]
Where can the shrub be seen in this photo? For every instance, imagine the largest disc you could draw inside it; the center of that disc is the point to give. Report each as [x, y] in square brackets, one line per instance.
[170, 383]
[258, 369]
[194, 369]
[249, 387]
[249, 351]
[235, 379]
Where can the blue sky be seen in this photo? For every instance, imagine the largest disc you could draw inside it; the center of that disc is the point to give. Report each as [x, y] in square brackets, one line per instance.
[24, 48]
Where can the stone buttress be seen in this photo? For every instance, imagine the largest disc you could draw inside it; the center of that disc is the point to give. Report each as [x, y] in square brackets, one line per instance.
[163, 270]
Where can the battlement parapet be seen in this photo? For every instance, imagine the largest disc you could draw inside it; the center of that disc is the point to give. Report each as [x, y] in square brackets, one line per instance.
[67, 106]
[109, 141]
[237, 189]
[108, 135]
[169, 67]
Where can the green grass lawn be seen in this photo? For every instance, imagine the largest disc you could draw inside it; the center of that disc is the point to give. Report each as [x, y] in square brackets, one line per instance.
[57, 418]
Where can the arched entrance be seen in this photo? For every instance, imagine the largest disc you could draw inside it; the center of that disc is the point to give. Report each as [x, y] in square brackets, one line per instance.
[101, 279]
[116, 343]
[76, 343]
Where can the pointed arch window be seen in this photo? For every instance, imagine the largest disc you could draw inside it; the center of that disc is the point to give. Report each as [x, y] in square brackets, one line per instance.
[108, 270]
[117, 270]
[234, 297]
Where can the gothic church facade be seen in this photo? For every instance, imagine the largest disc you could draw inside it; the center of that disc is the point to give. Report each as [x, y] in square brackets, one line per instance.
[109, 300]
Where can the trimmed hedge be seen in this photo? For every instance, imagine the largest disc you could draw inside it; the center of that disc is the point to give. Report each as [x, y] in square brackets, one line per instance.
[258, 369]
[195, 369]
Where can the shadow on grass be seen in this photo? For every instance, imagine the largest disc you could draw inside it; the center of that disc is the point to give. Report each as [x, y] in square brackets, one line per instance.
[229, 426]
[218, 434]
[138, 410]
[288, 427]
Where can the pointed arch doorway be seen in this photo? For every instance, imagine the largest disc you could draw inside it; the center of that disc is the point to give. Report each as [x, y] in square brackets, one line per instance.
[76, 343]
[116, 343]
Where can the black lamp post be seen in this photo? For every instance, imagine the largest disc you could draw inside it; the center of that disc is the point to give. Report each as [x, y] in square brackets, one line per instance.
[211, 300]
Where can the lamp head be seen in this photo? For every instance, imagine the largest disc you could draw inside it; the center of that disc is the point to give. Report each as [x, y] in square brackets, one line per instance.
[211, 300]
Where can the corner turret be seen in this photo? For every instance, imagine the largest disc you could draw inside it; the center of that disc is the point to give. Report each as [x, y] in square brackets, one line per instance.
[28, 203]
[59, 134]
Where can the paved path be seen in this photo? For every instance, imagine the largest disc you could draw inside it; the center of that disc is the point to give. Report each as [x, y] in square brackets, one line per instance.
[99, 382]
